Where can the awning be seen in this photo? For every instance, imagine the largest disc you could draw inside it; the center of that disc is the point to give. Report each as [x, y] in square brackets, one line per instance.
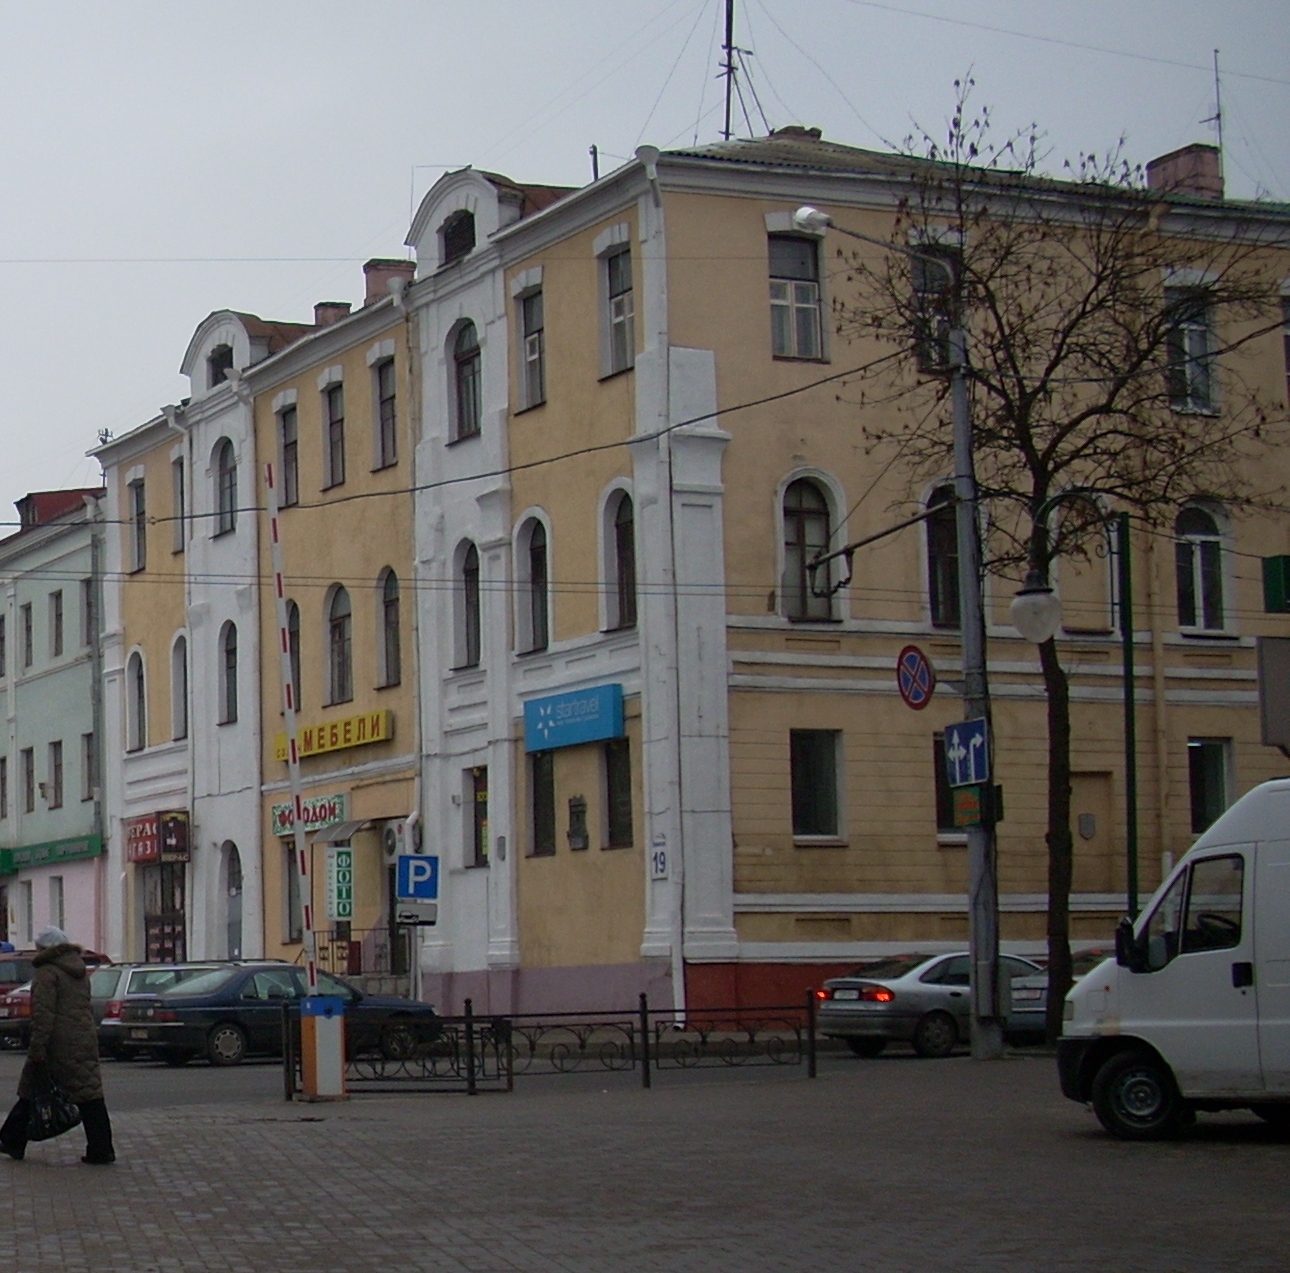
[339, 832]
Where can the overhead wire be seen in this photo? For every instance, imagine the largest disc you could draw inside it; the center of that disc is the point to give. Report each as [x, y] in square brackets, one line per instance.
[675, 63]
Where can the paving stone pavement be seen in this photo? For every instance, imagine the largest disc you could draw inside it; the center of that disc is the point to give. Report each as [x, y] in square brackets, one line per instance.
[893, 1164]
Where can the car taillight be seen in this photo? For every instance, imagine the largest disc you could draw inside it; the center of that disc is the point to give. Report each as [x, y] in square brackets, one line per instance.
[826, 993]
[113, 1010]
[164, 1014]
[877, 994]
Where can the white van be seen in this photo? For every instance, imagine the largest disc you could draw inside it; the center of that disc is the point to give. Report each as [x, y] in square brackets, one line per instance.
[1193, 1013]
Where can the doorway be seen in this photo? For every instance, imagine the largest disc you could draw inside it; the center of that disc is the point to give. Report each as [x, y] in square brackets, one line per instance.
[233, 867]
[165, 930]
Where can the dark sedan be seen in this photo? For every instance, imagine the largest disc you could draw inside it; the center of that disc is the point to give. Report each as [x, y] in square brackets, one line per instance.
[235, 1012]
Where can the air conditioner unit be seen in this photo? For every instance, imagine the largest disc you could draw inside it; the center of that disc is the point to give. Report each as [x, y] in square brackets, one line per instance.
[393, 839]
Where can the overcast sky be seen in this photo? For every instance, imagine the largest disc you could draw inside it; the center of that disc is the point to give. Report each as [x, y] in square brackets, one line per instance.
[265, 150]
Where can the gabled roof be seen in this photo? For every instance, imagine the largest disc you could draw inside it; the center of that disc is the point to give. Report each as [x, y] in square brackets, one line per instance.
[39, 508]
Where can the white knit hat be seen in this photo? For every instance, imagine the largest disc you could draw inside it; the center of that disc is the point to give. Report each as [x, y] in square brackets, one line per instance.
[50, 936]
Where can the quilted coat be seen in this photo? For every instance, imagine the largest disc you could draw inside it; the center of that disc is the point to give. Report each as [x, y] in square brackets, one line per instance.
[64, 1038]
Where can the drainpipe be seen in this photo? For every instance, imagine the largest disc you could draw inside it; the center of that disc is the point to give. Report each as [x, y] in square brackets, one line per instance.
[94, 515]
[1160, 714]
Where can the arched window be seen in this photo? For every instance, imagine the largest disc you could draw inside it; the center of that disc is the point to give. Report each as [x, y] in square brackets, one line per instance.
[806, 535]
[233, 881]
[228, 674]
[391, 654]
[136, 706]
[943, 559]
[225, 487]
[620, 561]
[219, 362]
[457, 235]
[293, 651]
[466, 381]
[1199, 559]
[340, 646]
[179, 688]
[533, 614]
[468, 616]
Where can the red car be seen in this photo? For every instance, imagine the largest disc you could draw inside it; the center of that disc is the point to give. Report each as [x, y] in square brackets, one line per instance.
[15, 1017]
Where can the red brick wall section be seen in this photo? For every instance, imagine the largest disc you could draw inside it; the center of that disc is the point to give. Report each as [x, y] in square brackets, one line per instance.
[755, 985]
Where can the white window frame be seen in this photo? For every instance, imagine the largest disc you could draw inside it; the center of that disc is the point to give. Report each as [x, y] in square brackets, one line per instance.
[378, 356]
[1225, 598]
[332, 378]
[610, 243]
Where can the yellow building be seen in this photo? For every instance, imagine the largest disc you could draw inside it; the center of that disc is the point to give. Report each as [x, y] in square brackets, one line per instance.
[334, 414]
[630, 449]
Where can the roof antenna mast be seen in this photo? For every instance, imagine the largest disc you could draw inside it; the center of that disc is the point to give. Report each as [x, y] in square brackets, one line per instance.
[1217, 117]
[729, 65]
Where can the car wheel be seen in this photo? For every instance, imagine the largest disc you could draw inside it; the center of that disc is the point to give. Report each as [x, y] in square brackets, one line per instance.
[936, 1035]
[866, 1047]
[1134, 1097]
[176, 1059]
[1276, 1116]
[226, 1044]
[398, 1041]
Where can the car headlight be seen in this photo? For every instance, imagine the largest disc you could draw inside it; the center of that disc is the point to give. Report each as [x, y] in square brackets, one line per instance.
[1068, 1010]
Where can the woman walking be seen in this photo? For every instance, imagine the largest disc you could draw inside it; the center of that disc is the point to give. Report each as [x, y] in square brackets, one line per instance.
[63, 1050]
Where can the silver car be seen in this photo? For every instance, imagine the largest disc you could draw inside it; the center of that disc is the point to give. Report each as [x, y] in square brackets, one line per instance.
[918, 999]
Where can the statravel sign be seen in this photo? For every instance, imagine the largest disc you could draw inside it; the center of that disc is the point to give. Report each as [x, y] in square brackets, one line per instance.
[576, 716]
[320, 811]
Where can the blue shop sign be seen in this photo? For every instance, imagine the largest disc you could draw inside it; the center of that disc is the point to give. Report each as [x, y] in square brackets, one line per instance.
[580, 716]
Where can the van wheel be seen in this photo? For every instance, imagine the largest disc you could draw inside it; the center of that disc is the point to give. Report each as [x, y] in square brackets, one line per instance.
[1134, 1098]
[936, 1035]
[866, 1047]
[1276, 1116]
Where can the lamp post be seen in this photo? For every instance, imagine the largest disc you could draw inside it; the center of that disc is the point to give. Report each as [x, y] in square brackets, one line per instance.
[983, 881]
[1036, 613]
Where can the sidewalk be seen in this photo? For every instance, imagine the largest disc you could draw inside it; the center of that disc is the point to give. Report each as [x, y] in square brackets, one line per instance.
[895, 1164]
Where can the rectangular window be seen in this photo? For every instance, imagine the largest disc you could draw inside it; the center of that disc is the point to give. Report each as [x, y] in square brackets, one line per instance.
[1190, 349]
[533, 323]
[622, 311]
[138, 527]
[89, 767]
[933, 273]
[813, 759]
[28, 636]
[28, 912]
[542, 802]
[4, 648]
[56, 624]
[477, 794]
[28, 780]
[334, 410]
[178, 506]
[387, 439]
[54, 792]
[4, 786]
[794, 297]
[618, 793]
[57, 915]
[944, 796]
[89, 620]
[293, 921]
[1207, 762]
[290, 456]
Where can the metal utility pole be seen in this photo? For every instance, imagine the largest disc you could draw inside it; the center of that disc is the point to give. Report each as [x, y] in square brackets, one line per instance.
[983, 875]
[1130, 715]
[729, 65]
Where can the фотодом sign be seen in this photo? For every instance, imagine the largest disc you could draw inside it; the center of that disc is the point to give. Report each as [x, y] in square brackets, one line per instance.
[320, 812]
[336, 735]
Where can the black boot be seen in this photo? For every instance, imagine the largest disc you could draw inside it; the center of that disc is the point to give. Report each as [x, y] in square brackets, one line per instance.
[98, 1133]
[13, 1135]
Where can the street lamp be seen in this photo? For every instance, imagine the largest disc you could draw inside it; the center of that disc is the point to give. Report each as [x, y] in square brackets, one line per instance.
[1037, 613]
[983, 883]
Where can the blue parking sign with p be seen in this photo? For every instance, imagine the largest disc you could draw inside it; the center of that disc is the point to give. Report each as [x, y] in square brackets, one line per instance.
[417, 877]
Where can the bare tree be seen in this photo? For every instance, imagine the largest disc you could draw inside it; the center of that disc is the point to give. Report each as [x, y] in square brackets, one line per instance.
[1112, 332]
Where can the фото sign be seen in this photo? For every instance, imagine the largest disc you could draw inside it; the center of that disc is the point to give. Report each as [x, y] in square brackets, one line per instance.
[339, 875]
[336, 735]
[578, 716]
[320, 811]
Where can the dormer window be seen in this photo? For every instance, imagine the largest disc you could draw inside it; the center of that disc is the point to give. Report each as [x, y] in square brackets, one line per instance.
[457, 235]
[219, 363]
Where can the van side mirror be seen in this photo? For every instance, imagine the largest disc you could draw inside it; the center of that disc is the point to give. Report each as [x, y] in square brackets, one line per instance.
[1128, 952]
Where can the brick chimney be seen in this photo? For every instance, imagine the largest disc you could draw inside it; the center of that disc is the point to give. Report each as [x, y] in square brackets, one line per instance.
[379, 271]
[328, 312]
[1193, 170]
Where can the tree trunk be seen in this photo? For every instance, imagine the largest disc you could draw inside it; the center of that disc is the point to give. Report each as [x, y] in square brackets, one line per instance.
[1058, 836]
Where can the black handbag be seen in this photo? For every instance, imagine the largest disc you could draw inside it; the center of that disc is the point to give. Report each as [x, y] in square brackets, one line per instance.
[53, 1112]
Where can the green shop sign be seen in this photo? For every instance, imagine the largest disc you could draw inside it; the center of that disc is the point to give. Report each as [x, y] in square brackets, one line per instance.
[51, 853]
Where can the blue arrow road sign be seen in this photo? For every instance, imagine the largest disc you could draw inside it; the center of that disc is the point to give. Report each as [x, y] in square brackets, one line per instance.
[967, 753]
[417, 878]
